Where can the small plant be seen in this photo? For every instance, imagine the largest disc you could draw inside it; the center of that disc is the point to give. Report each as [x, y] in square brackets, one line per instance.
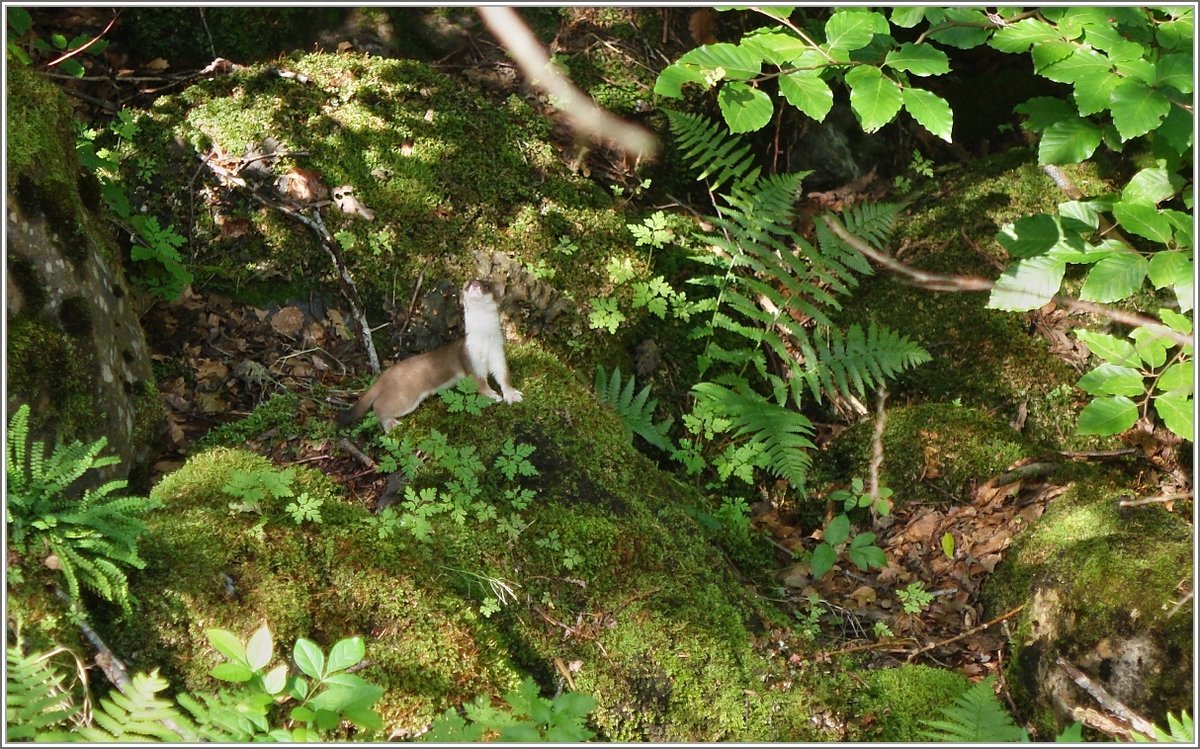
[636, 411]
[861, 551]
[92, 538]
[857, 496]
[915, 598]
[465, 397]
[571, 558]
[513, 460]
[734, 515]
[253, 487]
[809, 619]
[529, 717]
[882, 630]
[566, 246]
[1183, 731]
[22, 41]
[605, 315]
[655, 231]
[305, 508]
[975, 716]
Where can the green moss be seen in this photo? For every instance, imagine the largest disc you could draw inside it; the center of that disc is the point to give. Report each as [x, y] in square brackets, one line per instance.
[36, 137]
[279, 412]
[897, 702]
[933, 452]
[1114, 573]
[49, 365]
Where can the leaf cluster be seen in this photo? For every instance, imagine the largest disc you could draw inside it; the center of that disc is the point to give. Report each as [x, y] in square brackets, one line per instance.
[91, 538]
[636, 410]
[525, 716]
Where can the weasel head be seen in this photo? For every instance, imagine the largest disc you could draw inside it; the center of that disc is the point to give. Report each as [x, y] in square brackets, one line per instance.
[478, 292]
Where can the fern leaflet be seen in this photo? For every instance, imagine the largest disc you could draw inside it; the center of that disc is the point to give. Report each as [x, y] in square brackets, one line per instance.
[636, 411]
[783, 433]
[975, 716]
[858, 361]
[35, 698]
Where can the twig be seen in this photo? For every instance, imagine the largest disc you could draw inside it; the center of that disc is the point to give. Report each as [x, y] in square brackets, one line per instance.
[1097, 453]
[1162, 498]
[412, 305]
[1105, 698]
[580, 111]
[1180, 604]
[1029, 470]
[95, 39]
[962, 635]
[940, 282]
[877, 447]
[359, 455]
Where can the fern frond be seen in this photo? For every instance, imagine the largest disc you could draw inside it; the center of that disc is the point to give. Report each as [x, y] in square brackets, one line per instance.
[139, 715]
[857, 362]
[636, 411]
[36, 700]
[719, 155]
[782, 432]
[975, 716]
[227, 717]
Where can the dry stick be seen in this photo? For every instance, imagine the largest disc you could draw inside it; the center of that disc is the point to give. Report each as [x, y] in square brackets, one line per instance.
[580, 111]
[1162, 498]
[940, 282]
[1097, 453]
[1106, 700]
[968, 633]
[877, 447]
[97, 38]
[346, 282]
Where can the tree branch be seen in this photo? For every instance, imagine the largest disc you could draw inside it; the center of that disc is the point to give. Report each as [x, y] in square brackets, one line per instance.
[940, 282]
[581, 112]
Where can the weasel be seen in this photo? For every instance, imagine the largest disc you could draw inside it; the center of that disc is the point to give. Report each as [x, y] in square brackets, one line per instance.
[402, 387]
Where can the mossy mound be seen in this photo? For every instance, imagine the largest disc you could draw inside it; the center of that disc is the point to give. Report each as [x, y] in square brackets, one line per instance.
[608, 572]
[981, 357]
[450, 174]
[1100, 583]
[933, 452]
[897, 701]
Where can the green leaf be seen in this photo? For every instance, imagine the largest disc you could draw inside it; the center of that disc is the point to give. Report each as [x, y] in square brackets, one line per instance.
[1109, 348]
[745, 109]
[875, 99]
[1093, 90]
[931, 111]
[1151, 186]
[19, 20]
[275, 680]
[948, 544]
[807, 91]
[867, 557]
[1177, 413]
[1175, 71]
[1115, 277]
[346, 653]
[1018, 37]
[1080, 63]
[849, 30]
[973, 31]
[1044, 111]
[1030, 236]
[1151, 345]
[1180, 376]
[260, 648]
[1068, 141]
[1169, 268]
[1045, 54]
[1173, 319]
[1110, 379]
[736, 63]
[837, 531]
[822, 560]
[1027, 284]
[776, 48]
[907, 16]
[1107, 415]
[918, 59]
[227, 644]
[1143, 220]
[230, 671]
[309, 658]
[670, 81]
[1137, 109]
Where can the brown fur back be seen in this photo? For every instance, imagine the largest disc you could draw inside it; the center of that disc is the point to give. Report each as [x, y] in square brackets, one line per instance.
[403, 386]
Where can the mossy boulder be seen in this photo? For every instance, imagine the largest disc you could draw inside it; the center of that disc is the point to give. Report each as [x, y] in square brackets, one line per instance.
[77, 354]
[896, 702]
[933, 452]
[610, 577]
[1101, 586]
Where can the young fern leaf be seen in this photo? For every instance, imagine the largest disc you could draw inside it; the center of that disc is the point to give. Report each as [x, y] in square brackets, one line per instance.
[36, 701]
[976, 716]
[139, 715]
[636, 411]
[783, 433]
[857, 362]
[727, 157]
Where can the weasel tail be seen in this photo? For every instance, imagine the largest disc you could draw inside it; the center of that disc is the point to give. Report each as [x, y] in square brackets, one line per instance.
[402, 387]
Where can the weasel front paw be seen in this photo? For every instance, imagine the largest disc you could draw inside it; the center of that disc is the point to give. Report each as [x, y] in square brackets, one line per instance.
[512, 396]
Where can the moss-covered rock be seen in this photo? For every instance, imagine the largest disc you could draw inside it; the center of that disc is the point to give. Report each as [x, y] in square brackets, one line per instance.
[896, 702]
[1099, 585]
[933, 452]
[607, 572]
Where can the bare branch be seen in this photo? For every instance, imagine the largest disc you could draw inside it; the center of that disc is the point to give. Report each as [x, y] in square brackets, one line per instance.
[940, 282]
[580, 111]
